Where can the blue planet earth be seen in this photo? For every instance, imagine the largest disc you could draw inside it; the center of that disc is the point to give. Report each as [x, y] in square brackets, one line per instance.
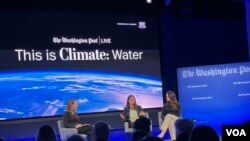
[39, 93]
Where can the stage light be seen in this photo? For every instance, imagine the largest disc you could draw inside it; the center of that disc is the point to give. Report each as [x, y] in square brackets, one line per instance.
[149, 1]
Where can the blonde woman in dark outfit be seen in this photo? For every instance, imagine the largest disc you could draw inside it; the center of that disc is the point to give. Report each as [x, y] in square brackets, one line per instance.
[72, 120]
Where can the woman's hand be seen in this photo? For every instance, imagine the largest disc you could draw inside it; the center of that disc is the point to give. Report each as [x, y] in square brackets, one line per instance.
[78, 125]
[122, 116]
[142, 114]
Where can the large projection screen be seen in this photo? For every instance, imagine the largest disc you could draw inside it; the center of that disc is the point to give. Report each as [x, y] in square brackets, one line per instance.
[49, 57]
[215, 95]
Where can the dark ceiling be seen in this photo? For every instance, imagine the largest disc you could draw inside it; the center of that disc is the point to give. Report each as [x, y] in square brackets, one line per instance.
[209, 8]
[199, 8]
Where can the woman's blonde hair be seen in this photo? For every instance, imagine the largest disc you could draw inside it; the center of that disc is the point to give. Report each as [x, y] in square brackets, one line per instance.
[69, 105]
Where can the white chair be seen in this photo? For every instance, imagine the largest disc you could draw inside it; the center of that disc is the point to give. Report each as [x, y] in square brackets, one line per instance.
[160, 121]
[67, 132]
[131, 129]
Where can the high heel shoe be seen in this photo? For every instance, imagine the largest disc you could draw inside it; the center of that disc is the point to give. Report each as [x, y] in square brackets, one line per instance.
[160, 136]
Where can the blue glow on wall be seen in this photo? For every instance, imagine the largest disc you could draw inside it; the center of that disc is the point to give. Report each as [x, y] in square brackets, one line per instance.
[215, 95]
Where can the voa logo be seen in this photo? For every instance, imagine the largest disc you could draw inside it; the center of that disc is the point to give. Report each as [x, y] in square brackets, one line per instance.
[236, 132]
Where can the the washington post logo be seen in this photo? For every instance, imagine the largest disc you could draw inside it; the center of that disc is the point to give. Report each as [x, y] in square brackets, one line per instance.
[235, 132]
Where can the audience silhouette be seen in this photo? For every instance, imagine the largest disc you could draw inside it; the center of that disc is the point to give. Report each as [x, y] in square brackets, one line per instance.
[142, 123]
[203, 133]
[183, 136]
[139, 135]
[102, 131]
[184, 127]
[46, 133]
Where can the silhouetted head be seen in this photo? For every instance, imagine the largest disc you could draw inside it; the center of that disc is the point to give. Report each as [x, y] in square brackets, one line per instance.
[142, 123]
[75, 137]
[46, 133]
[183, 125]
[203, 133]
[102, 131]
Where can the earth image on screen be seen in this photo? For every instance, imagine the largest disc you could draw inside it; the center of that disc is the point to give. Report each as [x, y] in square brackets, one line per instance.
[28, 94]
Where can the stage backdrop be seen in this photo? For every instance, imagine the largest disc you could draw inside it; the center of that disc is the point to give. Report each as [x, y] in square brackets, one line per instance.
[215, 94]
[49, 57]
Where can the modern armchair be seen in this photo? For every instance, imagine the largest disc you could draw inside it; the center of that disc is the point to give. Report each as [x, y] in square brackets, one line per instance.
[67, 132]
[160, 121]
